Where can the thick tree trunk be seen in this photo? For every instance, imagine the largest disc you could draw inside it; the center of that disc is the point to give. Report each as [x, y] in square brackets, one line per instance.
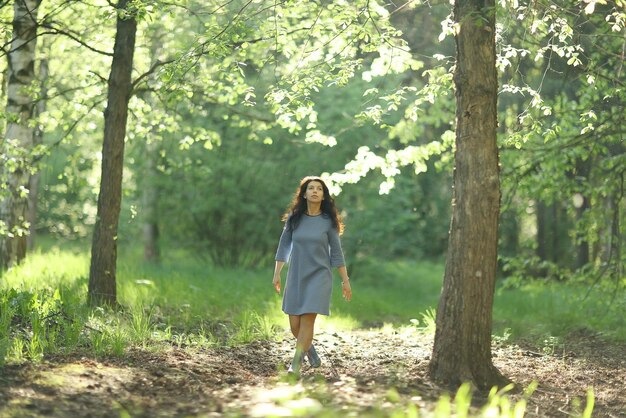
[102, 273]
[18, 142]
[462, 348]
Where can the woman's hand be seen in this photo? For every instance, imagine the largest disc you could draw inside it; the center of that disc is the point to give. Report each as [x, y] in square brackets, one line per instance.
[277, 268]
[277, 284]
[346, 290]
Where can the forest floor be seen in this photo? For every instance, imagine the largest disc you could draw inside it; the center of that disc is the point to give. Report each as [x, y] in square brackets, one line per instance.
[364, 373]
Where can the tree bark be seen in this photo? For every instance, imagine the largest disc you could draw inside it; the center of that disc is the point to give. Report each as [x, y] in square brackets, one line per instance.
[462, 347]
[102, 272]
[18, 142]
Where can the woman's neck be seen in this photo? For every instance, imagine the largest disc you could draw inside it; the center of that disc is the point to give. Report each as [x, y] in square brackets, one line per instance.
[313, 209]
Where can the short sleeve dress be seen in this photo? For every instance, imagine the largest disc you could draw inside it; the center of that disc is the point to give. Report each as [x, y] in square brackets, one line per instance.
[312, 249]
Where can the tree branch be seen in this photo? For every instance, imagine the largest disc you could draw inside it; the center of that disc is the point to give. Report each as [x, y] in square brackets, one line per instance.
[57, 31]
[75, 123]
[152, 69]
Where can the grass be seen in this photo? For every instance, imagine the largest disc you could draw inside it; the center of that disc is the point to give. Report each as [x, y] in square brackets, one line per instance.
[188, 303]
[391, 292]
[543, 311]
[316, 400]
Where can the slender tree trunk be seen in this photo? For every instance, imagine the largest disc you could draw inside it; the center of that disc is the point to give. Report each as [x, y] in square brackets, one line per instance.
[617, 233]
[150, 202]
[541, 236]
[582, 247]
[3, 86]
[462, 348]
[553, 235]
[582, 205]
[544, 250]
[18, 142]
[150, 193]
[102, 273]
[31, 215]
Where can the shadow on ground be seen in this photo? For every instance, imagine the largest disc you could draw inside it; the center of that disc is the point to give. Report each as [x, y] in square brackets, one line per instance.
[364, 372]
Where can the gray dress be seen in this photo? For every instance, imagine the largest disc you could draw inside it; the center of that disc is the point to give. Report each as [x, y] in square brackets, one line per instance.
[312, 249]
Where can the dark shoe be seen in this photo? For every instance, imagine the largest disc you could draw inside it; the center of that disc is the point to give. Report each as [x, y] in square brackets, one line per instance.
[314, 359]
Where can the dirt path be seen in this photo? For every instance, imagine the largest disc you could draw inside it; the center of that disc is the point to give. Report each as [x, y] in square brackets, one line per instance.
[361, 370]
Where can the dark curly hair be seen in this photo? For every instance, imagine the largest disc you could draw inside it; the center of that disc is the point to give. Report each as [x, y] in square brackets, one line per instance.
[298, 205]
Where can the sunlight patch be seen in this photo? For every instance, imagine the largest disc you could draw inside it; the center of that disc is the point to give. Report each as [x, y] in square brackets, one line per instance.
[336, 323]
[284, 400]
[80, 376]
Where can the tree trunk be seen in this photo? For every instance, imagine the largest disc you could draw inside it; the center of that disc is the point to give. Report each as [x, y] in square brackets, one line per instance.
[150, 202]
[582, 246]
[462, 347]
[18, 143]
[582, 205]
[150, 193]
[31, 215]
[102, 273]
[542, 230]
[553, 233]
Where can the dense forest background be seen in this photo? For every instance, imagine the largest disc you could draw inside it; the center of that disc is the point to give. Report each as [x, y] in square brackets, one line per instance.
[167, 138]
[219, 131]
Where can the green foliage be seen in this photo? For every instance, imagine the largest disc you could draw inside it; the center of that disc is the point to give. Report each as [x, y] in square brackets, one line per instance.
[36, 323]
[368, 89]
[230, 220]
[190, 304]
[234, 224]
[428, 324]
[571, 162]
[254, 327]
[531, 311]
[67, 198]
[208, 83]
[315, 400]
[392, 293]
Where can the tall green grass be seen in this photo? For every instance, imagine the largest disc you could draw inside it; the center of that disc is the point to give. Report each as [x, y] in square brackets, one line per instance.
[390, 292]
[548, 311]
[317, 400]
[185, 302]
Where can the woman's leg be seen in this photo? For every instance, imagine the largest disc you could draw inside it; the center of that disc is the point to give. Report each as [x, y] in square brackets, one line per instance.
[294, 324]
[302, 327]
[305, 332]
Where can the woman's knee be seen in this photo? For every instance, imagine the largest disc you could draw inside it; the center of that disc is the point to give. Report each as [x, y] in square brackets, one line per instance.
[294, 324]
[308, 320]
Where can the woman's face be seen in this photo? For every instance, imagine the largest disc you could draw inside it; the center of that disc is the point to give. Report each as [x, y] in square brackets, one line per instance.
[314, 192]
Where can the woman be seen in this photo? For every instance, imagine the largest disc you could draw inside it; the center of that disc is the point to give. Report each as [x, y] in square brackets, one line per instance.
[310, 242]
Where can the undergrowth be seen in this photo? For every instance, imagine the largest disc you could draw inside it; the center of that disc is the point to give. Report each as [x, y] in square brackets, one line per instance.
[316, 400]
[188, 304]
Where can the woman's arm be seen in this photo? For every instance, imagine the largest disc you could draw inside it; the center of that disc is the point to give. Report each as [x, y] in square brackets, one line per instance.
[337, 260]
[346, 289]
[282, 254]
[277, 269]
